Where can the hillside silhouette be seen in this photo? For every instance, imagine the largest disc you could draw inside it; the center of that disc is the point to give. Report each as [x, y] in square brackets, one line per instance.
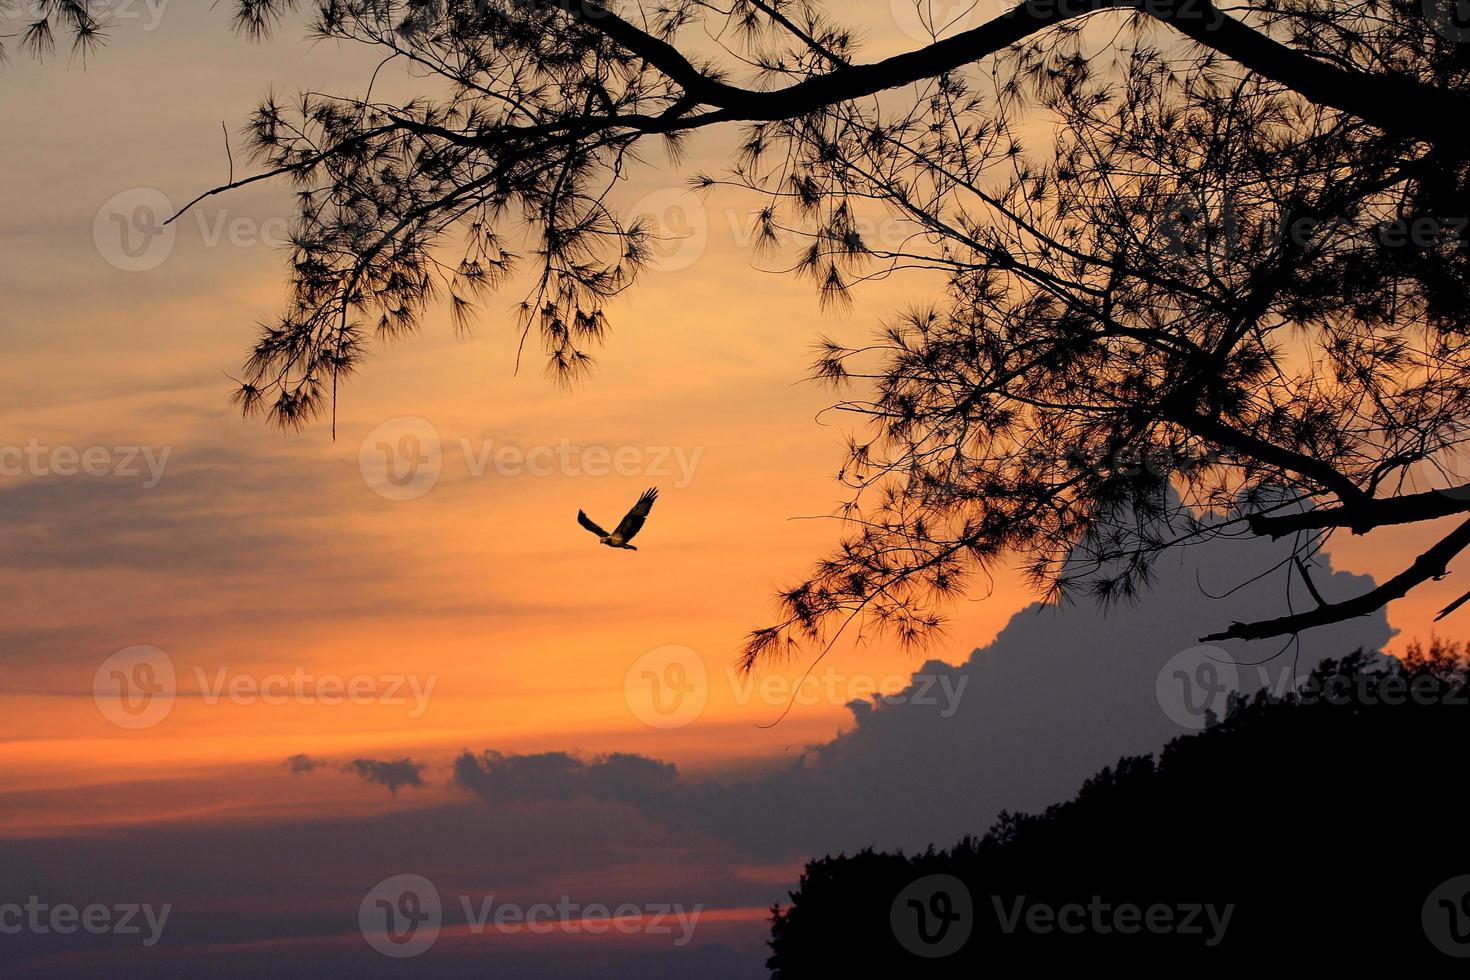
[1316, 829]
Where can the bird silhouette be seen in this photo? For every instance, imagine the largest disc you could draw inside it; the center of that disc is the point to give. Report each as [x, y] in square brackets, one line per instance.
[630, 525]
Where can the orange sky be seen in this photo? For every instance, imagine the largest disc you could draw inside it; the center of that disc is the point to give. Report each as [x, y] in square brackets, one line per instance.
[263, 554]
[485, 584]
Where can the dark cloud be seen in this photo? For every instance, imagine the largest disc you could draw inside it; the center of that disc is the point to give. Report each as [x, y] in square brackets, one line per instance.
[194, 519]
[254, 925]
[618, 778]
[393, 774]
[301, 762]
[1059, 694]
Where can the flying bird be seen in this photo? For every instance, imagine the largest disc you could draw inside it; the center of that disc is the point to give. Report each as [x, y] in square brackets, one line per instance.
[630, 525]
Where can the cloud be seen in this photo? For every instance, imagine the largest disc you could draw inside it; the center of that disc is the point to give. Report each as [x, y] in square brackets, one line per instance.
[103, 562]
[1059, 694]
[301, 762]
[591, 853]
[392, 774]
[619, 777]
[198, 519]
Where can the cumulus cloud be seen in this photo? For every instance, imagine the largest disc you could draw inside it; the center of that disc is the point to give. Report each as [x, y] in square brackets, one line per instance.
[394, 774]
[619, 777]
[1059, 694]
[301, 762]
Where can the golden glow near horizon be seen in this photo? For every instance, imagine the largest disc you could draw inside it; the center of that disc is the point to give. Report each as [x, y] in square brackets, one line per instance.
[264, 566]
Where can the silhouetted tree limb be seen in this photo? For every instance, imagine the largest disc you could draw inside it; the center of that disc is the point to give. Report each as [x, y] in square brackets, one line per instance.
[1365, 515]
[1433, 564]
[1394, 103]
[1206, 306]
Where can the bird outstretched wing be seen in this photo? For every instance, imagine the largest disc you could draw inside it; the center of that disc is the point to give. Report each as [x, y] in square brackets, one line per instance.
[632, 522]
[588, 523]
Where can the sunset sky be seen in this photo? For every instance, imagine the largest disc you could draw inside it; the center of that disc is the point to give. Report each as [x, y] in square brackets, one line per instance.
[254, 554]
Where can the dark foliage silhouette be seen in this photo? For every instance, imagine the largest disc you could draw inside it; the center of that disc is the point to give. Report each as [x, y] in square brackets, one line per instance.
[1173, 245]
[34, 26]
[1326, 821]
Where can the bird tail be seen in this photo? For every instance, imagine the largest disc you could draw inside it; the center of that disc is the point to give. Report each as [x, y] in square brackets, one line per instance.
[631, 547]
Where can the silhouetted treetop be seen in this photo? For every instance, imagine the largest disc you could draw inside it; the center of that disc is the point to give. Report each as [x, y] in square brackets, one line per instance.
[34, 25]
[1176, 247]
[1317, 825]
